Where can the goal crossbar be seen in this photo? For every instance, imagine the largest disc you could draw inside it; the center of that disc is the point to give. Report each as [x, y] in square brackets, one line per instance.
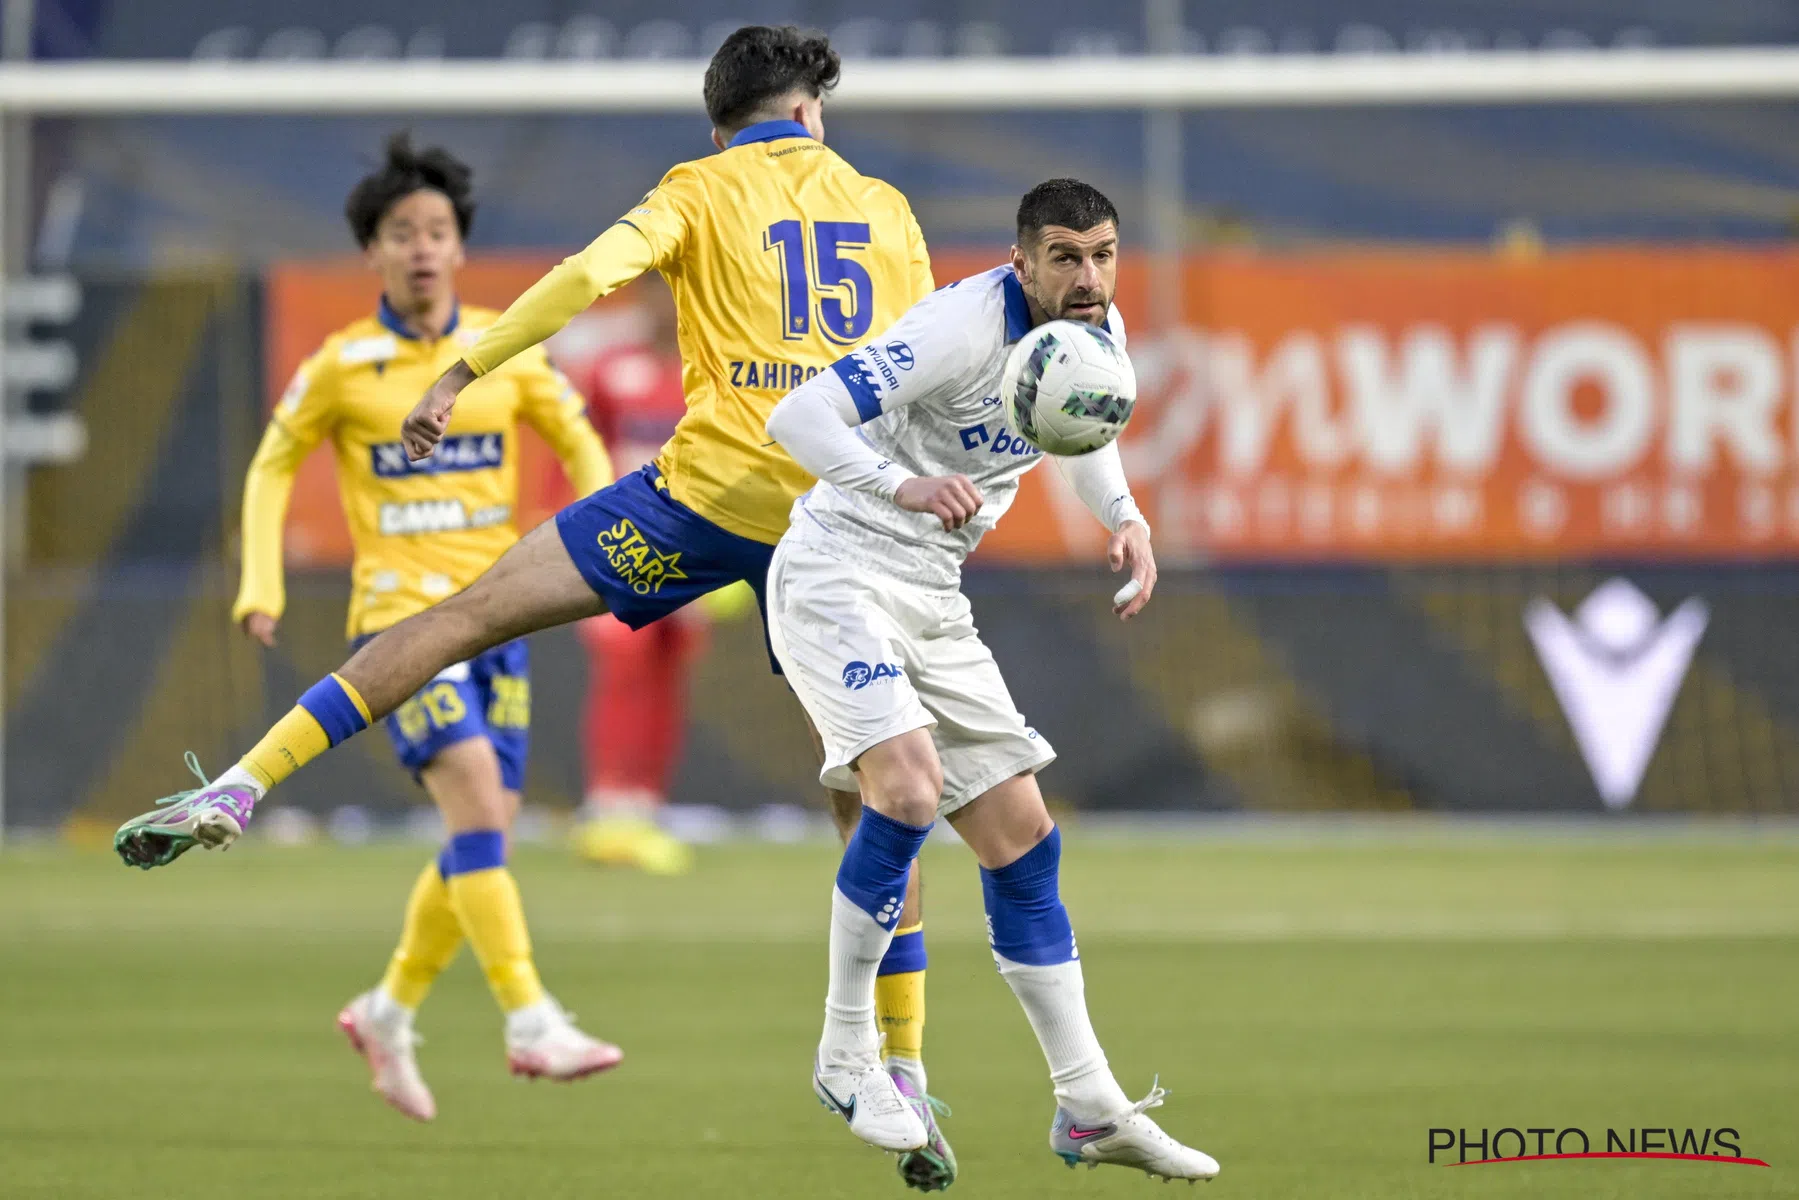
[510, 87]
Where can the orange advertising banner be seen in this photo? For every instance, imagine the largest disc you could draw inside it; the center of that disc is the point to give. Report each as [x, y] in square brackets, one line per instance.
[1433, 405]
[1391, 405]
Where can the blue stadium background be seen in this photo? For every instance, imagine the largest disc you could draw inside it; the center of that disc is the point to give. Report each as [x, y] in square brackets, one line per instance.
[1296, 688]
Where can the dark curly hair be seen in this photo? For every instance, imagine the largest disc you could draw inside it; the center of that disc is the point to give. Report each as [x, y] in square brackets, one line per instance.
[1065, 202]
[405, 171]
[759, 63]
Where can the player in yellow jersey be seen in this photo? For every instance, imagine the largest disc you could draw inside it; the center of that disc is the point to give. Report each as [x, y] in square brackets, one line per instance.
[423, 531]
[781, 257]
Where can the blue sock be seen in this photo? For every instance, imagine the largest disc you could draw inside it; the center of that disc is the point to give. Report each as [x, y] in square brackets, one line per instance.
[1025, 918]
[473, 850]
[876, 863]
[905, 954]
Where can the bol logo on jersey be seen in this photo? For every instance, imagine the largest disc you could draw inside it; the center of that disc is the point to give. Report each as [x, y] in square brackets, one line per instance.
[858, 675]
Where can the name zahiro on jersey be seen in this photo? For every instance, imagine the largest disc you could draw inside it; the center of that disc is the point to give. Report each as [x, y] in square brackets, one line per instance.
[438, 516]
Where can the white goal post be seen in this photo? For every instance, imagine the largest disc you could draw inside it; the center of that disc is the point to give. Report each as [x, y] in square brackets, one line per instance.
[991, 84]
[1151, 83]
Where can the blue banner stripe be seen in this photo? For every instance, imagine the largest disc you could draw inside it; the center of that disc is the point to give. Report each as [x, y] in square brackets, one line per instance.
[868, 404]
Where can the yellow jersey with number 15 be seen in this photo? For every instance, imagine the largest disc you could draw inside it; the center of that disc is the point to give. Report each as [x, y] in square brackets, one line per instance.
[782, 257]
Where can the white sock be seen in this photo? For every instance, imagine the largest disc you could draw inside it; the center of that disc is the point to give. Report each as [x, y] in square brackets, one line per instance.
[858, 943]
[1055, 1000]
[387, 1012]
[529, 1021]
[238, 777]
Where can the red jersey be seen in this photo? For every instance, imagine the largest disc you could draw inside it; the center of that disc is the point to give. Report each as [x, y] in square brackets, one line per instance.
[634, 399]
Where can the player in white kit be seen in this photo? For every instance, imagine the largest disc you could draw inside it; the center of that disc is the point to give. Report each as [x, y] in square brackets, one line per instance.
[867, 617]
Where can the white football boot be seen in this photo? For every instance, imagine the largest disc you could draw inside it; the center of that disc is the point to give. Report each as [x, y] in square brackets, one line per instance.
[1130, 1140]
[542, 1042]
[387, 1047]
[858, 1088]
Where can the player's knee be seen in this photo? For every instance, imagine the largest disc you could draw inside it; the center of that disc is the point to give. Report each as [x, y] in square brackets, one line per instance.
[465, 783]
[903, 779]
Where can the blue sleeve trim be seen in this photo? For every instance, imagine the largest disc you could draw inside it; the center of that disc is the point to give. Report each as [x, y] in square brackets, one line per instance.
[855, 379]
[333, 709]
[475, 850]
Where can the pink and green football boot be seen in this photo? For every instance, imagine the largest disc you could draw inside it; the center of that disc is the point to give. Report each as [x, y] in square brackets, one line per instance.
[210, 816]
[932, 1167]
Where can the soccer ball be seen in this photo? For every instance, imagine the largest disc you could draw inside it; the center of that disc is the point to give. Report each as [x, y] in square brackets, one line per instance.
[1067, 388]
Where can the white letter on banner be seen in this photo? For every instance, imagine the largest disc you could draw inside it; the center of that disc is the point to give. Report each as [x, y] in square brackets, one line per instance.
[1250, 404]
[1394, 409]
[1611, 358]
[1723, 382]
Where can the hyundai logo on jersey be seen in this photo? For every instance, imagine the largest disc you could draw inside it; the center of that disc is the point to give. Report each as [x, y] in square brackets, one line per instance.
[901, 354]
[458, 452]
[858, 675]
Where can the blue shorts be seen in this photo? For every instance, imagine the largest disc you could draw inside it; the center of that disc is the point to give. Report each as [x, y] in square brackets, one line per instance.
[647, 554]
[487, 697]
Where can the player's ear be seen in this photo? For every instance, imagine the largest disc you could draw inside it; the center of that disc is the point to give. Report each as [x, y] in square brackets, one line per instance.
[718, 139]
[810, 112]
[1021, 266]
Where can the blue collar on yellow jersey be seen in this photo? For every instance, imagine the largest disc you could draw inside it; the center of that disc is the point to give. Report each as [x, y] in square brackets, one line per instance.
[768, 131]
[1018, 312]
[396, 324]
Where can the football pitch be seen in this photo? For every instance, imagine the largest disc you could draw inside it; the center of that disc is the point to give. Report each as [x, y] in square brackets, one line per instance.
[1315, 1006]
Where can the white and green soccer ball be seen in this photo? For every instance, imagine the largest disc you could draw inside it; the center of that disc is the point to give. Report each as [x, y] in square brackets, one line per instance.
[1067, 388]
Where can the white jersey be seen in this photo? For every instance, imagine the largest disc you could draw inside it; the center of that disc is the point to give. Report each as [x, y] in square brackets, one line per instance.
[928, 390]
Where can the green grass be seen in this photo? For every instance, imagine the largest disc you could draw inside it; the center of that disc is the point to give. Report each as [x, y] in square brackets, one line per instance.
[1314, 1010]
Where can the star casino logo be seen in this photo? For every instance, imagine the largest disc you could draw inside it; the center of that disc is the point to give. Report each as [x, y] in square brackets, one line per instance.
[643, 567]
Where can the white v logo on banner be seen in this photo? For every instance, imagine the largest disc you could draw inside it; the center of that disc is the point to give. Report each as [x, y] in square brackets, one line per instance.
[1616, 668]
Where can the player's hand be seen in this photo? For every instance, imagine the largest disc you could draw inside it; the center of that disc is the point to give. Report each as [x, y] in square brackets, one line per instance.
[261, 626]
[1129, 549]
[952, 499]
[425, 424]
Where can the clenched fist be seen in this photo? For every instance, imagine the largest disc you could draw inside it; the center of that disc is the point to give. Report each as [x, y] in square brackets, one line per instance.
[952, 499]
[425, 424]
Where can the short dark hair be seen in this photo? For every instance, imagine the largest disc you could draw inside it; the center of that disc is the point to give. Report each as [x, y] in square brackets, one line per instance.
[403, 172]
[761, 62]
[1065, 202]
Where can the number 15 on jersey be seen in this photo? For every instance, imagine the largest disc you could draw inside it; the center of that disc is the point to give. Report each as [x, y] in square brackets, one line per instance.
[846, 300]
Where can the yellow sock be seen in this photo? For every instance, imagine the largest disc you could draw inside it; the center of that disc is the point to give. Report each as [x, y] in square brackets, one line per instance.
[487, 904]
[899, 999]
[330, 711]
[429, 939]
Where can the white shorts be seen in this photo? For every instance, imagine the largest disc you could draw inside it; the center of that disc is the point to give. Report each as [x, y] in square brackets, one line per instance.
[871, 657]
